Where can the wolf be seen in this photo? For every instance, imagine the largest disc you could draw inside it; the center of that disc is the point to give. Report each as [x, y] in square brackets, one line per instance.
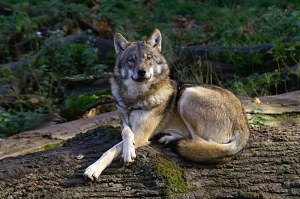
[203, 123]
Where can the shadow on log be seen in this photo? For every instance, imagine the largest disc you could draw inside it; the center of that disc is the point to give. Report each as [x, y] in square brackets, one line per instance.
[268, 168]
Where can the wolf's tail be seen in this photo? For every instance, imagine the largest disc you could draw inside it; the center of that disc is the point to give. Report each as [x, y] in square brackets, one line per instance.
[205, 151]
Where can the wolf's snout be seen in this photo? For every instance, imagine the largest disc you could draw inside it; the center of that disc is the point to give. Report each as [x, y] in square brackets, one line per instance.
[141, 75]
[141, 72]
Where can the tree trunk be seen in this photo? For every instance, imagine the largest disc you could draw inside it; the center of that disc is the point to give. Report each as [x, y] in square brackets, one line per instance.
[268, 168]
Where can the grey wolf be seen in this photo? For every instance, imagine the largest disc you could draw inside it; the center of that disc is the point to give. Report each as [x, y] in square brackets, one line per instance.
[204, 123]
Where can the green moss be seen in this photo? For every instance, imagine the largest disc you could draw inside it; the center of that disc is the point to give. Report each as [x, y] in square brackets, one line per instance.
[251, 193]
[47, 147]
[173, 175]
[285, 115]
[80, 101]
[113, 132]
[218, 181]
[52, 146]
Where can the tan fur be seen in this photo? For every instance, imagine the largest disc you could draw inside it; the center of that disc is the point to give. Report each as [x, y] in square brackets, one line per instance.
[203, 151]
[217, 122]
[208, 123]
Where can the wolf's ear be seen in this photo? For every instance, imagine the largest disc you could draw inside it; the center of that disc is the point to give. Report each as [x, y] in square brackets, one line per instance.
[155, 40]
[120, 43]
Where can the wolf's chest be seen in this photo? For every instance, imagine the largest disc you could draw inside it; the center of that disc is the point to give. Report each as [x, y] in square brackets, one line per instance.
[136, 117]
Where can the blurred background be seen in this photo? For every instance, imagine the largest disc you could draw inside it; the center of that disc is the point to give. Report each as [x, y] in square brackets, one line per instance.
[57, 55]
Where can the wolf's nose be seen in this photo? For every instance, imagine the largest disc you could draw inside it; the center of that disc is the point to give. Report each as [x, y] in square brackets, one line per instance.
[141, 73]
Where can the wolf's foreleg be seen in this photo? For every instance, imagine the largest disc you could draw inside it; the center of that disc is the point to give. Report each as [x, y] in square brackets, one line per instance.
[128, 145]
[94, 170]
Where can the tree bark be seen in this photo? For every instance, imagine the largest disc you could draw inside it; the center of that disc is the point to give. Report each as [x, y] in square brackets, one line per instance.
[268, 168]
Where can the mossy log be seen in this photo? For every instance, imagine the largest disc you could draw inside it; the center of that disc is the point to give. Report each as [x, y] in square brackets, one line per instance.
[85, 96]
[268, 168]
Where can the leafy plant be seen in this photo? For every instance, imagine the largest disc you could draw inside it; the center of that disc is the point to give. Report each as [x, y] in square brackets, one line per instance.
[10, 122]
[257, 118]
[71, 59]
[80, 101]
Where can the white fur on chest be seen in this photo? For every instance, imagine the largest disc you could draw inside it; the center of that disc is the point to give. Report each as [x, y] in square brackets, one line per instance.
[135, 89]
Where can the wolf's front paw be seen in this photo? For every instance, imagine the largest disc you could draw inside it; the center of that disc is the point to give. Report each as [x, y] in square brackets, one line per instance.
[92, 172]
[128, 153]
[128, 145]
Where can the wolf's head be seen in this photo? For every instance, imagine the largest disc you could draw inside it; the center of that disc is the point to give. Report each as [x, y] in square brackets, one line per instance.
[140, 61]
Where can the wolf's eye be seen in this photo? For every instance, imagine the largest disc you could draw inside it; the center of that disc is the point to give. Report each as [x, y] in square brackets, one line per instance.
[131, 60]
[149, 57]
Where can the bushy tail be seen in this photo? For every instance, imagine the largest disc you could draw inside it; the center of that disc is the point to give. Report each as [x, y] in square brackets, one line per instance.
[208, 152]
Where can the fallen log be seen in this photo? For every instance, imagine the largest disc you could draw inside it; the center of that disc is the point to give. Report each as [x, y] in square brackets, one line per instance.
[203, 49]
[53, 135]
[268, 168]
[6, 8]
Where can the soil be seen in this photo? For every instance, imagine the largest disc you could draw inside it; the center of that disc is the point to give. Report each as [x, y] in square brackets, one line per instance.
[268, 168]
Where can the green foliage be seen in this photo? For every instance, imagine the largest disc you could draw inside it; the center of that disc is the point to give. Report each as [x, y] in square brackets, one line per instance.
[284, 55]
[254, 85]
[247, 61]
[42, 78]
[81, 101]
[287, 54]
[31, 2]
[32, 25]
[10, 122]
[275, 22]
[71, 59]
[257, 118]
[74, 101]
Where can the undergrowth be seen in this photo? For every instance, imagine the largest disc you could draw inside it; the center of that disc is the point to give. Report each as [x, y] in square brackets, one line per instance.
[31, 25]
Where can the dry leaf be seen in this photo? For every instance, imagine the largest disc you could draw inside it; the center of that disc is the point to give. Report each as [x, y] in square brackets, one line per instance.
[256, 101]
[34, 100]
[80, 156]
[270, 51]
[65, 28]
[199, 62]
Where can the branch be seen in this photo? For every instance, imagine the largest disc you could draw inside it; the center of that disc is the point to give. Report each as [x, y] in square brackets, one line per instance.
[5, 8]
[203, 49]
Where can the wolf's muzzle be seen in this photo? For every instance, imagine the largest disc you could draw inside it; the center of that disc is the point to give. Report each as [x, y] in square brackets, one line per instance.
[141, 73]
[141, 79]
